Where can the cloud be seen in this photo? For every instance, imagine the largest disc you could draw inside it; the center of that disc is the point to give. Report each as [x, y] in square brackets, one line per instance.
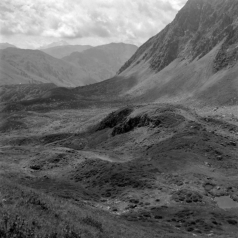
[126, 20]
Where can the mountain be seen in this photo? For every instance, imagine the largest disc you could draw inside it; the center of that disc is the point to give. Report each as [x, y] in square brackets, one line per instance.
[54, 44]
[65, 50]
[193, 60]
[34, 66]
[6, 45]
[102, 62]
[194, 57]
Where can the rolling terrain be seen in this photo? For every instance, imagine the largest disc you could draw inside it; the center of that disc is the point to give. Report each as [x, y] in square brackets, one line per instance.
[151, 152]
[149, 170]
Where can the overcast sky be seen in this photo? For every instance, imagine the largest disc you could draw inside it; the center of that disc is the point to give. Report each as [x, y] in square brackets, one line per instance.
[32, 23]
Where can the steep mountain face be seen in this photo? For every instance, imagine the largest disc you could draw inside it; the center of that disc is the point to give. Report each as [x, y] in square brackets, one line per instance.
[34, 66]
[202, 39]
[196, 30]
[6, 45]
[102, 62]
[65, 50]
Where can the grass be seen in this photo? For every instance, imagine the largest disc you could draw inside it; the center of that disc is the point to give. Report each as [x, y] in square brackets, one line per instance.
[28, 213]
[12, 227]
[34, 206]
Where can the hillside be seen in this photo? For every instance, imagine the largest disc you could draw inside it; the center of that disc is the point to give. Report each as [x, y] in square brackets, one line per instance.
[6, 45]
[65, 50]
[194, 57]
[102, 62]
[19, 92]
[34, 66]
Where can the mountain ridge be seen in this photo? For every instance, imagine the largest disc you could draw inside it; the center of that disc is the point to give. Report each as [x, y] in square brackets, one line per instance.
[202, 33]
[53, 44]
[192, 24]
[102, 62]
[35, 66]
[65, 50]
[6, 45]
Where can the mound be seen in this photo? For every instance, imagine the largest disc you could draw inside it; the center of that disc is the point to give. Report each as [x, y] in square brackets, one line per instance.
[123, 121]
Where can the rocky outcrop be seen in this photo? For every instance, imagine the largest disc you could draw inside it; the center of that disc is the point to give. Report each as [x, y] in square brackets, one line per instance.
[121, 121]
[114, 118]
[166, 120]
[228, 53]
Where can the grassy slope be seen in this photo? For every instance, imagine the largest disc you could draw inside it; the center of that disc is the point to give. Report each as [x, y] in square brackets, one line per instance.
[57, 197]
[186, 82]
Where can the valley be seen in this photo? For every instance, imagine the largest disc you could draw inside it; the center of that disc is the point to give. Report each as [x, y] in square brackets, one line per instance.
[143, 170]
[112, 141]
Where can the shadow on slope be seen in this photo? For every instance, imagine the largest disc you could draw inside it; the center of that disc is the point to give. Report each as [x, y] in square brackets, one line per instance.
[99, 94]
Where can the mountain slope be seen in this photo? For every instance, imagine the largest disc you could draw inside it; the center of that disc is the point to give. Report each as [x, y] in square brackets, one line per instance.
[102, 62]
[34, 66]
[6, 45]
[192, 61]
[193, 57]
[65, 50]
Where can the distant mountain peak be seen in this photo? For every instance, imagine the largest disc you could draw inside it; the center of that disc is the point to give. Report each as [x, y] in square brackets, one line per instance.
[34, 66]
[6, 45]
[65, 50]
[103, 61]
[53, 44]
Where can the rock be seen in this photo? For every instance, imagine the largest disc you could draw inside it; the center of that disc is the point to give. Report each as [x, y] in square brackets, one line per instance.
[232, 222]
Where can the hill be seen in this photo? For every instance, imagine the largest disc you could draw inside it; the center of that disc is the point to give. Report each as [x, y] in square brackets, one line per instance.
[34, 66]
[194, 57]
[102, 62]
[65, 50]
[6, 45]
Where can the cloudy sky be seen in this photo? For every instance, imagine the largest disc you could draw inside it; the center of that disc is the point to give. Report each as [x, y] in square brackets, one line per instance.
[33, 23]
